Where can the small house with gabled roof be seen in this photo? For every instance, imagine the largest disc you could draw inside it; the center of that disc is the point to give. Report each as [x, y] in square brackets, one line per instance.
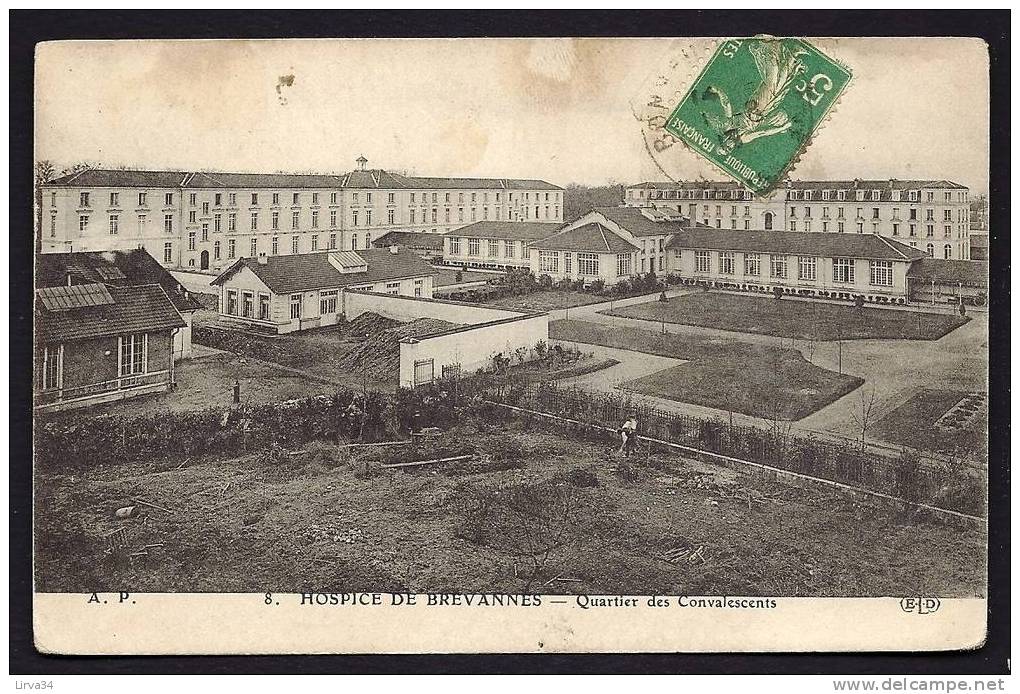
[284, 293]
[97, 343]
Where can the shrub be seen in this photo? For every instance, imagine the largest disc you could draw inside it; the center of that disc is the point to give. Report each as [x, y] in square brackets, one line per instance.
[597, 286]
[777, 292]
[545, 281]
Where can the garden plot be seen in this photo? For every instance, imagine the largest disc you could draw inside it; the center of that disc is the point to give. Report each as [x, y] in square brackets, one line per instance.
[526, 511]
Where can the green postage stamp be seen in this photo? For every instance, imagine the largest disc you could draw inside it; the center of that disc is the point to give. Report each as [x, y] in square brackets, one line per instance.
[756, 105]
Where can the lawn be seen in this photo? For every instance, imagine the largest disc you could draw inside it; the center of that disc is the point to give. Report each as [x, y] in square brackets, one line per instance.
[799, 319]
[318, 521]
[547, 300]
[913, 424]
[730, 375]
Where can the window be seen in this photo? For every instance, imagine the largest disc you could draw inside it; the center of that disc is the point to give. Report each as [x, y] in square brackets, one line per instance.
[752, 264]
[233, 199]
[216, 250]
[254, 198]
[727, 263]
[296, 198]
[930, 248]
[191, 240]
[293, 244]
[806, 268]
[217, 223]
[474, 247]
[168, 223]
[389, 216]
[588, 264]
[947, 252]
[232, 221]
[327, 301]
[51, 372]
[332, 219]
[168, 199]
[114, 199]
[132, 354]
[231, 249]
[454, 246]
[253, 248]
[315, 242]
[508, 249]
[114, 224]
[254, 221]
[248, 304]
[83, 199]
[929, 230]
[492, 245]
[53, 225]
[393, 287]
[263, 307]
[623, 264]
[315, 198]
[295, 305]
[315, 219]
[778, 266]
[205, 208]
[768, 221]
[881, 273]
[168, 252]
[368, 198]
[275, 220]
[548, 261]
[218, 199]
[232, 302]
[843, 270]
[141, 199]
[295, 220]
[702, 261]
[793, 225]
[332, 242]
[419, 287]
[276, 198]
[332, 198]
[368, 217]
[275, 245]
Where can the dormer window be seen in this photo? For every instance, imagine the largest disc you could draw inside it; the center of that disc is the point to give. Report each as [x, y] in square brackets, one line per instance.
[860, 195]
[807, 194]
[876, 195]
[841, 195]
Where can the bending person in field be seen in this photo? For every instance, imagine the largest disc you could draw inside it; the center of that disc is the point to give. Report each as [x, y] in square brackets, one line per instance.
[628, 435]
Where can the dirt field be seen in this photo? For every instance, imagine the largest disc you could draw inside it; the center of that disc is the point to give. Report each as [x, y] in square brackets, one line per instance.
[757, 380]
[532, 508]
[802, 320]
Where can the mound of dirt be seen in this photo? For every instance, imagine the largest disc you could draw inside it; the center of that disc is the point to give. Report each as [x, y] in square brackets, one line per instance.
[379, 356]
[369, 323]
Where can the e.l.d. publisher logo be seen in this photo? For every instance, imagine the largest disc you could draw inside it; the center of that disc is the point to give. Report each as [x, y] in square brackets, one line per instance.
[920, 605]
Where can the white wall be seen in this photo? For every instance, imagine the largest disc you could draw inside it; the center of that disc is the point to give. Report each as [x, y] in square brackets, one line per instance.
[473, 348]
[405, 308]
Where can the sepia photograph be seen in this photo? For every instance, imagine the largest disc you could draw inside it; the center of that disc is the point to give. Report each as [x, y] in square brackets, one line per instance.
[547, 337]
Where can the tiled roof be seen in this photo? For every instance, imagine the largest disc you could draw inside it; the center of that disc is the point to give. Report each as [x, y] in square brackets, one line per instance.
[359, 179]
[515, 231]
[284, 274]
[829, 245]
[410, 239]
[971, 273]
[591, 238]
[135, 309]
[215, 179]
[116, 178]
[135, 267]
[632, 219]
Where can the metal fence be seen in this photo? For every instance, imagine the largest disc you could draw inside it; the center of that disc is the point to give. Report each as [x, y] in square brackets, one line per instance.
[955, 487]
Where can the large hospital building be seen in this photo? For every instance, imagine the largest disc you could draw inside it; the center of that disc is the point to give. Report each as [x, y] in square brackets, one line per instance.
[931, 216]
[207, 220]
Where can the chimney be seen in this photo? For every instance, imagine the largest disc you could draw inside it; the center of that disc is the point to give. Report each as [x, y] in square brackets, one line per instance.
[394, 250]
[263, 259]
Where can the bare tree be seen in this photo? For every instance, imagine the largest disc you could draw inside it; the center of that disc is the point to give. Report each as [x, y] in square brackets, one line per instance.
[44, 172]
[862, 412]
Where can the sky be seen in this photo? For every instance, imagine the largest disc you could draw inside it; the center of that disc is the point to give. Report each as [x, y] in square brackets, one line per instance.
[555, 109]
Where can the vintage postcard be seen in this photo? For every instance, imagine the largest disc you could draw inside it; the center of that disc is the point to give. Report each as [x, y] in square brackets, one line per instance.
[511, 345]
